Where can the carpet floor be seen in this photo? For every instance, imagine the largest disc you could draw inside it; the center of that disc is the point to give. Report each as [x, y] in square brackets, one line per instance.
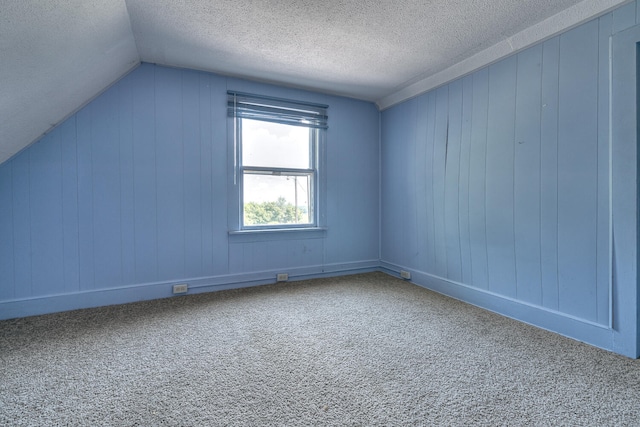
[362, 350]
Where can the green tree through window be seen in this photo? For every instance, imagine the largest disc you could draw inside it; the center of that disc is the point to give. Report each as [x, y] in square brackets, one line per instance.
[278, 212]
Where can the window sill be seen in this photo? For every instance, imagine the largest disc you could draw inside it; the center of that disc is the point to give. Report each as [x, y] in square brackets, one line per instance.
[256, 235]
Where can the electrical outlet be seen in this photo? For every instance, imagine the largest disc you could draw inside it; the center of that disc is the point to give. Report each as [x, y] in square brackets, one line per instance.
[282, 277]
[405, 274]
[180, 289]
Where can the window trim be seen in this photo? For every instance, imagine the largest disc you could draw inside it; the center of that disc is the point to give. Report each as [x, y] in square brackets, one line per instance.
[312, 173]
[317, 136]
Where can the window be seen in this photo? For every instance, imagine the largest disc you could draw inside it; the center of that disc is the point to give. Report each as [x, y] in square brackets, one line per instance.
[277, 146]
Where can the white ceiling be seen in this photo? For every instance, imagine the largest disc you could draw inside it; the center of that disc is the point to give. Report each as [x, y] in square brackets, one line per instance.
[56, 55]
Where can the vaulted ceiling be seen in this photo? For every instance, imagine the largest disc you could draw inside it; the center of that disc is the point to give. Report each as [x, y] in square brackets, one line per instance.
[56, 55]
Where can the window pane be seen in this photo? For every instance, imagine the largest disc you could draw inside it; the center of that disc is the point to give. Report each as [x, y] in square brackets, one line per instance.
[266, 144]
[281, 199]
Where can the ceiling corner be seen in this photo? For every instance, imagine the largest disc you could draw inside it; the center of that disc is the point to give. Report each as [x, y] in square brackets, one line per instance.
[550, 27]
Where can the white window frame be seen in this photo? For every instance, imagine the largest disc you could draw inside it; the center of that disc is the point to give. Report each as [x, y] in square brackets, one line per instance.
[270, 110]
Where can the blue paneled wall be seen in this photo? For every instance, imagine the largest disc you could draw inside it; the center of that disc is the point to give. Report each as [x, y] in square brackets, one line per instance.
[129, 196]
[496, 186]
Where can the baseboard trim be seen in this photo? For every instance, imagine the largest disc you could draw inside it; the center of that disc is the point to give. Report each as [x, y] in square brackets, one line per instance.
[26, 307]
[554, 321]
[561, 323]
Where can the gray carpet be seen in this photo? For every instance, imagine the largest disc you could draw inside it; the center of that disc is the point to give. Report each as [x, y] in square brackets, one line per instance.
[359, 350]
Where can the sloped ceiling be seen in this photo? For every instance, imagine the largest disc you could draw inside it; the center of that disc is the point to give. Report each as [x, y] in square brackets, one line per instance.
[56, 55]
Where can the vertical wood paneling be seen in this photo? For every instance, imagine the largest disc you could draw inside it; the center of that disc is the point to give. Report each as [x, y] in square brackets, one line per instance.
[624, 17]
[388, 133]
[21, 224]
[275, 255]
[127, 194]
[500, 177]
[339, 169]
[465, 167]
[170, 173]
[333, 204]
[577, 170]
[438, 176]
[477, 180]
[389, 195]
[219, 179]
[422, 182]
[394, 184]
[549, 173]
[132, 190]
[144, 175]
[278, 252]
[431, 206]
[603, 215]
[206, 191]
[69, 163]
[236, 258]
[7, 290]
[356, 209]
[295, 255]
[531, 195]
[409, 244]
[364, 134]
[105, 146]
[303, 252]
[624, 115]
[85, 198]
[192, 175]
[47, 267]
[527, 175]
[452, 182]
[314, 251]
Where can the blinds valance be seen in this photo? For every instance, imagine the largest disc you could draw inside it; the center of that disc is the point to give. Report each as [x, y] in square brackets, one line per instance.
[277, 110]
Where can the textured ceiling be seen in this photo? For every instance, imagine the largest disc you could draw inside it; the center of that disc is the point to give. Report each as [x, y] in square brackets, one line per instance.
[56, 55]
[365, 48]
